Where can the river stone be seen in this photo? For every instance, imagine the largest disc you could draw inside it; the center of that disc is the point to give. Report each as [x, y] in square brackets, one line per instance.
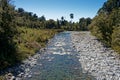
[100, 61]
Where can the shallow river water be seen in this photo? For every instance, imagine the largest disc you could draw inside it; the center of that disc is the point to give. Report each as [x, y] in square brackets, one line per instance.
[60, 61]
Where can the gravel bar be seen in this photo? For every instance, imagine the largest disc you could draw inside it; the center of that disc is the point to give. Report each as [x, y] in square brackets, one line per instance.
[95, 58]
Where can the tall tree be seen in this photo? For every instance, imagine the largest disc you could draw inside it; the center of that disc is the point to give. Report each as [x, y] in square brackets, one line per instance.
[62, 21]
[7, 32]
[20, 10]
[42, 18]
[62, 18]
[58, 24]
[71, 16]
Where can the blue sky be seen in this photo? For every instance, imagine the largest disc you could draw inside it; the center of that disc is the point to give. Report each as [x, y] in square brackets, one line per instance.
[54, 9]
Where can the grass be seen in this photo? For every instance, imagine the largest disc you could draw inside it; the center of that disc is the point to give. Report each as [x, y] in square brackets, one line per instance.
[2, 78]
[31, 40]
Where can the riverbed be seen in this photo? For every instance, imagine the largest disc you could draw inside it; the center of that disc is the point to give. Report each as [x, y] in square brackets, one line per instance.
[95, 58]
[70, 56]
[60, 61]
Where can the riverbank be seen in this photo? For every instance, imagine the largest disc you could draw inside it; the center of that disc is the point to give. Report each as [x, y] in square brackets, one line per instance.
[101, 62]
[92, 60]
[28, 42]
[59, 62]
[22, 69]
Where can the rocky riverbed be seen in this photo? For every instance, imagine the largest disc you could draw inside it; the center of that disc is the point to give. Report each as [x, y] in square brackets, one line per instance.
[101, 62]
[69, 56]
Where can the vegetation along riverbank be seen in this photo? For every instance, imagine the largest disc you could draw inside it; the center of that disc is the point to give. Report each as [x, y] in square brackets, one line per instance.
[23, 34]
[18, 42]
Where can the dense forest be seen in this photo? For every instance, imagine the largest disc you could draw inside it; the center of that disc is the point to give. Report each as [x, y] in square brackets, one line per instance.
[106, 24]
[23, 33]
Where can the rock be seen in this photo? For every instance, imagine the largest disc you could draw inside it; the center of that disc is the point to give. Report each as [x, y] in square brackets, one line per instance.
[9, 76]
[96, 59]
[29, 76]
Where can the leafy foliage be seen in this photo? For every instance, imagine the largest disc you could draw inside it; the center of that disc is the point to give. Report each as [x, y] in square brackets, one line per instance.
[24, 18]
[16, 42]
[116, 39]
[83, 23]
[106, 24]
[7, 32]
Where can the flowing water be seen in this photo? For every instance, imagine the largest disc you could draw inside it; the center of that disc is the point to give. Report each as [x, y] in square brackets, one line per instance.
[60, 61]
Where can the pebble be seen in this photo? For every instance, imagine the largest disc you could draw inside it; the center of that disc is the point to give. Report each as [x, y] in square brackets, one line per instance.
[101, 62]
[9, 76]
[22, 69]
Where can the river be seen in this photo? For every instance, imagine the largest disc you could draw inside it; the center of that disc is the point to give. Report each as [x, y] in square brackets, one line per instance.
[60, 61]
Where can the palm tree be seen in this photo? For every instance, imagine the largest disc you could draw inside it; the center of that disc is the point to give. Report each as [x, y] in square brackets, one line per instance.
[71, 16]
[62, 18]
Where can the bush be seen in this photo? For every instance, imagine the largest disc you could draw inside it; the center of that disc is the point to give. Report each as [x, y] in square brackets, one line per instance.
[31, 40]
[116, 39]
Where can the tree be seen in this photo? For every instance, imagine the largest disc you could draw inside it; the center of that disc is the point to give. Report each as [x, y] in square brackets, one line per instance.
[62, 18]
[82, 24]
[42, 18]
[35, 17]
[20, 10]
[58, 24]
[105, 26]
[62, 21]
[30, 14]
[7, 33]
[50, 24]
[71, 16]
[109, 6]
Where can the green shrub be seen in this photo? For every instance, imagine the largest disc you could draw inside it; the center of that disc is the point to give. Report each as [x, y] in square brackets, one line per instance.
[116, 39]
[31, 40]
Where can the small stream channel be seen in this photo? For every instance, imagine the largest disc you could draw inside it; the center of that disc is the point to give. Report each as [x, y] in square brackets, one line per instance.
[60, 61]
